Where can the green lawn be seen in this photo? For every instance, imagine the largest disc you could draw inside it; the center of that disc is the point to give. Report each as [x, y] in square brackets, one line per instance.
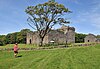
[87, 57]
[20, 46]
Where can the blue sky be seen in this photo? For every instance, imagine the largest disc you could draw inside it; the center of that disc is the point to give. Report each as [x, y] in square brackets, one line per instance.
[85, 17]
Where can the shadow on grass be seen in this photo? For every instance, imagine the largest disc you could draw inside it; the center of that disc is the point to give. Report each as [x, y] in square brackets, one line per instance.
[19, 56]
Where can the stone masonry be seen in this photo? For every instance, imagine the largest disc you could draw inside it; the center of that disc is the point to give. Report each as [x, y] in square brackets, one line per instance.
[61, 35]
[91, 38]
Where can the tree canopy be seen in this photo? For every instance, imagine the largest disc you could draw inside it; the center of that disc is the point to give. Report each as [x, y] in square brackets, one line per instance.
[79, 37]
[11, 38]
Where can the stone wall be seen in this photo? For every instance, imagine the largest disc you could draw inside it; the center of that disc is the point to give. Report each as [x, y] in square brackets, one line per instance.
[90, 38]
[33, 38]
[29, 38]
[57, 37]
[70, 36]
[70, 33]
[65, 33]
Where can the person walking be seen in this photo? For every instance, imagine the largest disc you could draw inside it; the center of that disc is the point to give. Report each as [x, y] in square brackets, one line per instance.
[15, 50]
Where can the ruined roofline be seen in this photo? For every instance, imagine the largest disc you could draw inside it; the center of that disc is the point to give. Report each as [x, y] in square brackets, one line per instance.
[91, 34]
[67, 28]
[59, 29]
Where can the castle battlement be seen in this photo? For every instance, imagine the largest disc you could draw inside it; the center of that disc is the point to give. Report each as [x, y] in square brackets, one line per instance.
[67, 28]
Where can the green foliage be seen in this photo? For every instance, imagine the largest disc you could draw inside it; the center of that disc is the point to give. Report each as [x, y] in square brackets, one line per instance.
[98, 36]
[69, 58]
[2, 40]
[11, 38]
[1, 43]
[79, 38]
[21, 36]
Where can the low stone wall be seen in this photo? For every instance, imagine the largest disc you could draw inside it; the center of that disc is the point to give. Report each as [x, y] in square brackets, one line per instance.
[51, 47]
[85, 44]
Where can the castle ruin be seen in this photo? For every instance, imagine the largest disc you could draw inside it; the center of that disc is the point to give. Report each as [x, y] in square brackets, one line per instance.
[61, 35]
[91, 38]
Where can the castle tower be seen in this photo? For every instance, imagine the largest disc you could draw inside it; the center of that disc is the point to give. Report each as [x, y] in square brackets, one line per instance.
[52, 0]
[29, 38]
[70, 33]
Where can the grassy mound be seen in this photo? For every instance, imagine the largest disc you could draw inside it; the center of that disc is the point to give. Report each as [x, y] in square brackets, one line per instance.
[70, 58]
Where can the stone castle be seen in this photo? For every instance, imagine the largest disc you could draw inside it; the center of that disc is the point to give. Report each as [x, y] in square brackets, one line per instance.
[61, 35]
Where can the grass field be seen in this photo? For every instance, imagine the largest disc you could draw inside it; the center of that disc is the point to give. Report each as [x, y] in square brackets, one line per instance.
[69, 58]
[20, 46]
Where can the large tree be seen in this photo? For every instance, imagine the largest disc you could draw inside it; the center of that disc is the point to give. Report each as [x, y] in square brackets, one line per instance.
[2, 40]
[43, 17]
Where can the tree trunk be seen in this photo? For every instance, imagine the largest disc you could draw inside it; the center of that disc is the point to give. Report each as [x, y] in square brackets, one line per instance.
[41, 42]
